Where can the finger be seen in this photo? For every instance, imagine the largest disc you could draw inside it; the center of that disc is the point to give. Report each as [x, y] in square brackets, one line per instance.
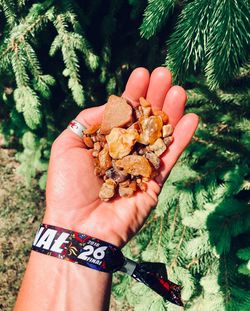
[183, 133]
[160, 83]
[174, 104]
[91, 116]
[137, 85]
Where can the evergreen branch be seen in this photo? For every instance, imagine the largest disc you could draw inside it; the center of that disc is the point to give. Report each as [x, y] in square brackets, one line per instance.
[26, 99]
[230, 26]
[9, 11]
[243, 74]
[184, 278]
[75, 41]
[203, 263]
[28, 103]
[174, 260]
[194, 261]
[33, 62]
[198, 246]
[197, 220]
[41, 81]
[55, 45]
[172, 228]
[69, 42]
[186, 46]
[19, 66]
[33, 152]
[15, 41]
[149, 222]
[78, 39]
[155, 16]
[160, 237]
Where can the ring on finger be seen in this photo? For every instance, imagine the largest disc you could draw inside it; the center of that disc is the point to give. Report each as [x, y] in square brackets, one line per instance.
[76, 127]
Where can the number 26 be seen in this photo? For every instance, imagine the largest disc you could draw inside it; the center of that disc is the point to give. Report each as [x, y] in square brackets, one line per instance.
[89, 250]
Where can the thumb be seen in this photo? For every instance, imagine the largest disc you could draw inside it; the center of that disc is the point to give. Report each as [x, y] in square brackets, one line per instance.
[91, 116]
[87, 117]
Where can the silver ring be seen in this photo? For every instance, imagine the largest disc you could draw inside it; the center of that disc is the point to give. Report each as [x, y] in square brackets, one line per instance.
[77, 128]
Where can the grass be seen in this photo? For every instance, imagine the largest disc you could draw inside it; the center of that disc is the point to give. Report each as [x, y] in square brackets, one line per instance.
[21, 209]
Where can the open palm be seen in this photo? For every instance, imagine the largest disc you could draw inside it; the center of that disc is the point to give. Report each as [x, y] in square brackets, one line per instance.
[72, 188]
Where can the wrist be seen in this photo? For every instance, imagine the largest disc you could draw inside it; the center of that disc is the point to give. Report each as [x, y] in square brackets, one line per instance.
[75, 222]
[69, 220]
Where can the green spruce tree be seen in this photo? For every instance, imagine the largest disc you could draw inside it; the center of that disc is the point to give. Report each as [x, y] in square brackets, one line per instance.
[60, 56]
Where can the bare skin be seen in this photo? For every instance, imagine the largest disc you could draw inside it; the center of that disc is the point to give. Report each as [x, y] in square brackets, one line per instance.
[73, 203]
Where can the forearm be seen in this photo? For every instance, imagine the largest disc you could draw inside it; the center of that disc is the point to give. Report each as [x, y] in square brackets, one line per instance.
[53, 284]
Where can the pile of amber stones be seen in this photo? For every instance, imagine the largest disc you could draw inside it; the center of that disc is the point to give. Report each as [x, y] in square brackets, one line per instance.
[127, 146]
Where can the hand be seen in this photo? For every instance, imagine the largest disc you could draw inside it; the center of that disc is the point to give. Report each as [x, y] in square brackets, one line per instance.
[72, 188]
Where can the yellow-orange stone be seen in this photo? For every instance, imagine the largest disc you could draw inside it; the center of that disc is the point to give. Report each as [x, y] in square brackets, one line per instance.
[151, 129]
[117, 113]
[121, 141]
[135, 165]
[105, 161]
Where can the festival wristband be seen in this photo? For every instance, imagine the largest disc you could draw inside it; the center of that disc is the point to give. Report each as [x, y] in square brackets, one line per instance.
[102, 256]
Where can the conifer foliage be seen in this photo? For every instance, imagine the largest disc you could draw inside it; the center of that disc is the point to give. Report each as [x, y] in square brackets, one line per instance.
[18, 52]
[57, 57]
[211, 36]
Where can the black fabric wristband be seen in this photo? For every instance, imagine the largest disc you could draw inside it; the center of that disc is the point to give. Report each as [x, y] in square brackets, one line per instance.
[103, 256]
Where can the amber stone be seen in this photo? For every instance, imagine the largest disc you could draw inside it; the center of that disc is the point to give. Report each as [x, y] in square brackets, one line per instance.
[153, 159]
[158, 147]
[151, 129]
[168, 140]
[107, 190]
[92, 129]
[117, 113]
[143, 186]
[161, 114]
[88, 142]
[167, 130]
[135, 165]
[105, 161]
[121, 141]
[144, 102]
[127, 190]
